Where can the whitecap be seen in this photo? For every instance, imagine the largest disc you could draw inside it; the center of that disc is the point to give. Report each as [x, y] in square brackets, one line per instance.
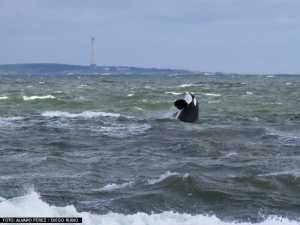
[173, 93]
[186, 175]
[230, 154]
[36, 97]
[186, 85]
[83, 86]
[3, 97]
[212, 94]
[294, 173]
[130, 94]
[138, 108]
[113, 186]
[9, 121]
[31, 205]
[162, 177]
[58, 92]
[249, 93]
[290, 138]
[85, 114]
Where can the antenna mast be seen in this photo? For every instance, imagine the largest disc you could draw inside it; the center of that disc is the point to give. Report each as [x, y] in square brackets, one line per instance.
[92, 62]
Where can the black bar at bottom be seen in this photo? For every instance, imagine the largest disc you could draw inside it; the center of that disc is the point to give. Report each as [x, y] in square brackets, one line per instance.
[40, 220]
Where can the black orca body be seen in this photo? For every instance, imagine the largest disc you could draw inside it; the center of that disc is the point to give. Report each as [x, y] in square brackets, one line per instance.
[189, 109]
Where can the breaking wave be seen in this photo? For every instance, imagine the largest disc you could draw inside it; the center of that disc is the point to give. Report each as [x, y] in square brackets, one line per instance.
[162, 177]
[85, 114]
[113, 186]
[31, 98]
[31, 205]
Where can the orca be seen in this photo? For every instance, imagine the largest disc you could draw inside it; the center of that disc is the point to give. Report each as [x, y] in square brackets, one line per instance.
[188, 108]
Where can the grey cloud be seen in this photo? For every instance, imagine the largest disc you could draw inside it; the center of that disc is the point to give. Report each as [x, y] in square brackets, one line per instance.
[225, 35]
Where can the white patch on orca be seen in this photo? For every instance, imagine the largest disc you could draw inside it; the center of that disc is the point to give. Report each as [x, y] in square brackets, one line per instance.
[188, 98]
[178, 113]
[195, 102]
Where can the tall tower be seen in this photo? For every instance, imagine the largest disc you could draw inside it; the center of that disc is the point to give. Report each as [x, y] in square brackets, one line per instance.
[92, 62]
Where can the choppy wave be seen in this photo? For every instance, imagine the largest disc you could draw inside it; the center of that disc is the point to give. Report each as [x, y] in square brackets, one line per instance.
[123, 130]
[85, 114]
[36, 97]
[31, 205]
[9, 121]
[284, 137]
[113, 186]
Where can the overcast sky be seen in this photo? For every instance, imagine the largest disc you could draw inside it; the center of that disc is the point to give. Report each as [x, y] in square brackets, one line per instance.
[247, 36]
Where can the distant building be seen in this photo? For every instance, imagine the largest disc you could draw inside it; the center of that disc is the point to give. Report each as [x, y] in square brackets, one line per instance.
[92, 59]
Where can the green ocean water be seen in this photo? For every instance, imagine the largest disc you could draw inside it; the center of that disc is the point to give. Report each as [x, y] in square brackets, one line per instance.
[110, 144]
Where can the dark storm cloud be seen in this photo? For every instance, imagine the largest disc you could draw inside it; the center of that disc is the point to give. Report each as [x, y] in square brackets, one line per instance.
[211, 35]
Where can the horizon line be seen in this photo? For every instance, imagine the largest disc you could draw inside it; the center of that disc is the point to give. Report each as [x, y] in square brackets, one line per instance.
[152, 67]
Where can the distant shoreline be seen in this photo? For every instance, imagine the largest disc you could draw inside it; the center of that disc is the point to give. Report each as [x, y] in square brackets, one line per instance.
[69, 69]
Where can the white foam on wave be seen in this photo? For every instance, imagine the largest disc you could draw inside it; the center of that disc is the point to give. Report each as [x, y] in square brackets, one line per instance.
[9, 121]
[291, 138]
[293, 173]
[58, 92]
[3, 97]
[162, 177]
[230, 154]
[85, 114]
[83, 85]
[138, 108]
[31, 205]
[173, 93]
[113, 186]
[212, 94]
[36, 97]
[186, 85]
